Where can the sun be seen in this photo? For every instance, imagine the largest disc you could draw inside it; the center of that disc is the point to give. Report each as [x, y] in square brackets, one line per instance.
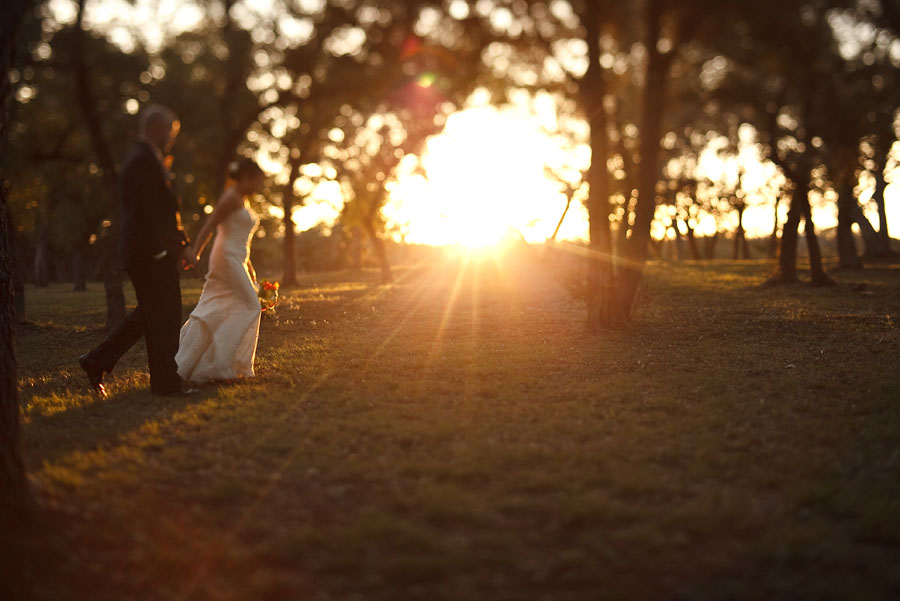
[484, 183]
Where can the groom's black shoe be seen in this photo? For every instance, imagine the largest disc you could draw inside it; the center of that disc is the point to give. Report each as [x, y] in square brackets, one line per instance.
[94, 374]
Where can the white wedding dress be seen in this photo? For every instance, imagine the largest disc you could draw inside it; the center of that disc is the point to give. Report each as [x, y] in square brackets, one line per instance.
[218, 342]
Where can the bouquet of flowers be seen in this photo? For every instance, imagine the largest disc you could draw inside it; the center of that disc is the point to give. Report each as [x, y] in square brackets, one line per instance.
[268, 295]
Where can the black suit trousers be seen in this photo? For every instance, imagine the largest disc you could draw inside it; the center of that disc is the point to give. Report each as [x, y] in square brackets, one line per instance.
[157, 318]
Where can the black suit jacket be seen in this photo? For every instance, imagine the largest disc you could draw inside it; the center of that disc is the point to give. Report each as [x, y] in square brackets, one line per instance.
[151, 219]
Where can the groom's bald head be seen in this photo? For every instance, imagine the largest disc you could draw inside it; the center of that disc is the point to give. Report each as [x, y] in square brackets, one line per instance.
[159, 125]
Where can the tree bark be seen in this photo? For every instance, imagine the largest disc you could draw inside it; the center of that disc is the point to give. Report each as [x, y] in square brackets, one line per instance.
[691, 241]
[786, 271]
[41, 262]
[289, 275]
[387, 275]
[630, 272]
[818, 277]
[883, 149]
[15, 495]
[79, 281]
[17, 269]
[873, 245]
[603, 310]
[678, 243]
[741, 247]
[773, 239]
[709, 246]
[846, 246]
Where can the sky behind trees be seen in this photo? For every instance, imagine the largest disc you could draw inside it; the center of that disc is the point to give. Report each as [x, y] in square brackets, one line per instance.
[492, 161]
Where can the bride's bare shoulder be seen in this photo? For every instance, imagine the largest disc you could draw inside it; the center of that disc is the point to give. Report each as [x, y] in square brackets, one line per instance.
[230, 199]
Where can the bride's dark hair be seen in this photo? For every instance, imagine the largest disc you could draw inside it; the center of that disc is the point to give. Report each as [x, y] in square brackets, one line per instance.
[243, 167]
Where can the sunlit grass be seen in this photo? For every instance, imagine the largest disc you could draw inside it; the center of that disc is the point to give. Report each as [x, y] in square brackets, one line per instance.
[457, 435]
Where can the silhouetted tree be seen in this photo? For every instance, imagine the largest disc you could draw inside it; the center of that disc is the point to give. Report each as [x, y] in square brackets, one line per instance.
[15, 497]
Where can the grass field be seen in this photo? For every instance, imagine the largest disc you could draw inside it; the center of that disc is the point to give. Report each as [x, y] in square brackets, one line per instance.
[458, 436]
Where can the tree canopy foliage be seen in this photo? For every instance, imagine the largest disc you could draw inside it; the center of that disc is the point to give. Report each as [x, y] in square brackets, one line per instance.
[336, 96]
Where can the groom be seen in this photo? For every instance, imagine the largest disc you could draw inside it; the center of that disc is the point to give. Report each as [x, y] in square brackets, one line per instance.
[153, 247]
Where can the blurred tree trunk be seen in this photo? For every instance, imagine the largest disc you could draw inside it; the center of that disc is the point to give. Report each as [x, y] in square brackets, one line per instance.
[41, 262]
[289, 275]
[387, 275]
[113, 282]
[679, 242]
[603, 310]
[883, 148]
[79, 279]
[621, 237]
[845, 244]
[709, 246]
[741, 247]
[17, 269]
[773, 239]
[786, 271]
[356, 248]
[691, 240]
[818, 277]
[877, 242]
[873, 245]
[15, 495]
[631, 270]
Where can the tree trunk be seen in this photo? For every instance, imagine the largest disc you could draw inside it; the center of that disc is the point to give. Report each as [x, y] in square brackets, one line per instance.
[786, 271]
[691, 240]
[883, 150]
[709, 246]
[679, 243]
[356, 248]
[79, 281]
[873, 245]
[41, 259]
[17, 270]
[649, 171]
[289, 271]
[387, 275]
[621, 237]
[846, 246]
[773, 239]
[816, 269]
[741, 247]
[113, 281]
[601, 270]
[15, 495]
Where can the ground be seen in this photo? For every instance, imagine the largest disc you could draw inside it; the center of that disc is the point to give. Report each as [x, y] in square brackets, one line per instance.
[458, 435]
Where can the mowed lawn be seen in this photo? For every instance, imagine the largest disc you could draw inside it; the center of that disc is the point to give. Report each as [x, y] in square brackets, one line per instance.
[458, 436]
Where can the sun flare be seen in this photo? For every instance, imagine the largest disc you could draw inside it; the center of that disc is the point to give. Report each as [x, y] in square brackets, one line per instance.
[485, 183]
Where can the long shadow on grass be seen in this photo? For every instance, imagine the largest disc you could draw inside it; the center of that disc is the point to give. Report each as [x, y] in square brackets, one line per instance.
[92, 424]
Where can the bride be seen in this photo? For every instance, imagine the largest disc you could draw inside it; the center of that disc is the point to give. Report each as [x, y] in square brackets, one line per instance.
[218, 342]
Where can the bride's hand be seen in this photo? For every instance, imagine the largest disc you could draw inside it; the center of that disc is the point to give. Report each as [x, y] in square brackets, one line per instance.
[188, 258]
